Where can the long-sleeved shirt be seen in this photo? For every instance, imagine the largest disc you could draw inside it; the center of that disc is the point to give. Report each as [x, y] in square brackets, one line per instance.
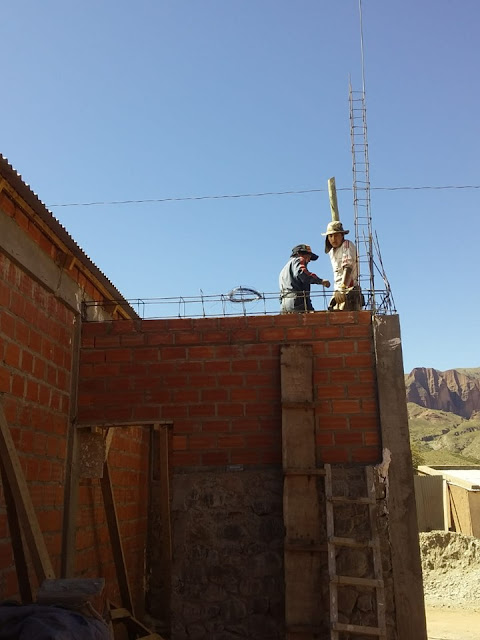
[294, 283]
[344, 256]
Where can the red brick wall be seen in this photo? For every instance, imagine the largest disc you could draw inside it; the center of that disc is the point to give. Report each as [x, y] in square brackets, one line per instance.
[218, 380]
[35, 370]
[36, 337]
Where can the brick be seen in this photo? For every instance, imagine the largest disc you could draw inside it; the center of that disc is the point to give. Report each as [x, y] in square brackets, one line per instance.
[364, 421]
[342, 317]
[261, 440]
[230, 380]
[345, 406]
[344, 375]
[360, 360]
[93, 329]
[173, 353]
[329, 362]
[229, 352]
[148, 354]
[299, 333]
[276, 334]
[364, 346]
[333, 423]
[132, 340]
[202, 381]
[5, 381]
[124, 327]
[12, 355]
[244, 335]
[219, 426]
[201, 410]
[7, 325]
[331, 391]
[324, 439]
[244, 365]
[361, 390]
[156, 339]
[202, 442]
[230, 409]
[185, 396]
[183, 338]
[370, 455]
[215, 337]
[214, 395]
[341, 346]
[372, 438]
[243, 395]
[102, 342]
[357, 331]
[216, 366]
[349, 437]
[369, 405]
[257, 350]
[18, 385]
[364, 317]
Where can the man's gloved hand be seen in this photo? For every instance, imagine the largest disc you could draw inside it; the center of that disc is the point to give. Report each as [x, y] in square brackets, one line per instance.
[339, 297]
[326, 283]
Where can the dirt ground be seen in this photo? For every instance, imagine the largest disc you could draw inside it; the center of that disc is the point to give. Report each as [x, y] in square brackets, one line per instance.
[451, 578]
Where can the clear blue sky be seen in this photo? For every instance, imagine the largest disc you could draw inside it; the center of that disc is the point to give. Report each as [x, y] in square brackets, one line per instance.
[107, 100]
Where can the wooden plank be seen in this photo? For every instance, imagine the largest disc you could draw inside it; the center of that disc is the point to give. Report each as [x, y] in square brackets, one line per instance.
[115, 538]
[403, 528]
[26, 513]
[163, 433]
[358, 629]
[70, 496]
[304, 571]
[71, 591]
[429, 502]
[21, 568]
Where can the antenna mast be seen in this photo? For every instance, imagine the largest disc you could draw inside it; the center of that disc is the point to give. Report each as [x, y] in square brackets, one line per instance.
[361, 197]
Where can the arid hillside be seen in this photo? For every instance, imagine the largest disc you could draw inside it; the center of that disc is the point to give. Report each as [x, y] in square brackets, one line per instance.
[444, 415]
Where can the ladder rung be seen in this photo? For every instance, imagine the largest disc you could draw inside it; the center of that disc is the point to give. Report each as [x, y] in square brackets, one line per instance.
[359, 582]
[307, 471]
[356, 628]
[351, 542]
[351, 500]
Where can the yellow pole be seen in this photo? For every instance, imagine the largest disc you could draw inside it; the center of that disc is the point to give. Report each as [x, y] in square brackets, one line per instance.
[332, 195]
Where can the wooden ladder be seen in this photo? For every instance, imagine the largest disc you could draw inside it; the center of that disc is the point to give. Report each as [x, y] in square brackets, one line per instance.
[373, 543]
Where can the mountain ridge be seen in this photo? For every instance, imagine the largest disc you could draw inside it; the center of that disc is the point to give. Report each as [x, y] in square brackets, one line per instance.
[455, 390]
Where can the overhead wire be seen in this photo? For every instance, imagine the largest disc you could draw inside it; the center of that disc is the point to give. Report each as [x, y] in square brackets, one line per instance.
[254, 195]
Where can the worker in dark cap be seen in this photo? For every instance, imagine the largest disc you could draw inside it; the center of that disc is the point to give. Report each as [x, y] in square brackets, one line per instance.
[295, 280]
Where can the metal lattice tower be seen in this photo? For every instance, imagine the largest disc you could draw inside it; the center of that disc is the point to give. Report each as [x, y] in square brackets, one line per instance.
[379, 301]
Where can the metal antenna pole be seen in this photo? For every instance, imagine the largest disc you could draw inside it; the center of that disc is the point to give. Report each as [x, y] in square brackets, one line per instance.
[361, 183]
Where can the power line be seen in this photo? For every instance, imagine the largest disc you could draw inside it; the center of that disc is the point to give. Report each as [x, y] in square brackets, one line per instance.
[255, 195]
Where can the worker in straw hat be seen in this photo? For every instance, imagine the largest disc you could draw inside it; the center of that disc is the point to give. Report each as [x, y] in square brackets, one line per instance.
[295, 280]
[343, 256]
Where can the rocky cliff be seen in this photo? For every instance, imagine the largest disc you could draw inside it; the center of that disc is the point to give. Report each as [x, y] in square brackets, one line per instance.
[456, 390]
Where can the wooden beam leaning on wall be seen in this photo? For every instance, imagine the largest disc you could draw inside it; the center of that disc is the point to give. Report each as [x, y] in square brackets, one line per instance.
[23, 503]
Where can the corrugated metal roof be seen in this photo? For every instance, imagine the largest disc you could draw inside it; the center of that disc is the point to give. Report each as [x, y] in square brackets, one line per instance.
[23, 189]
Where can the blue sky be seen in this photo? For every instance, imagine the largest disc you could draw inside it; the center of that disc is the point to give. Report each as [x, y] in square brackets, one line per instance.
[113, 100]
